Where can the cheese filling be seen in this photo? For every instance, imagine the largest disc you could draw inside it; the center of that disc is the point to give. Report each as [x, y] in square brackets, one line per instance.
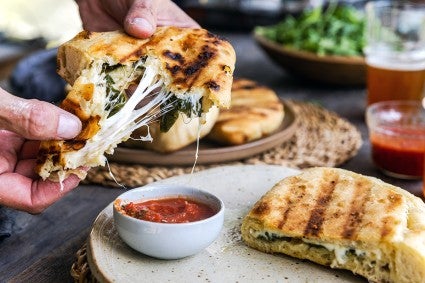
[120, 115]
[341, 253]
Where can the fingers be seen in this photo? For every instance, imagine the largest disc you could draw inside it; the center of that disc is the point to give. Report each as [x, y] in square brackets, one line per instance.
[45, 193]
[141, 18]
[22, 193]
[26, 167]
[36, 120]
[20, 187]
[144, 15]
[10, 145]
[29, 150]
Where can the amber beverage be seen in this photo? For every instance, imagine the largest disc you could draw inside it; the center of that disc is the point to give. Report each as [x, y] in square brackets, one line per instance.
[423, 180]
[395, 50]
[392, 82]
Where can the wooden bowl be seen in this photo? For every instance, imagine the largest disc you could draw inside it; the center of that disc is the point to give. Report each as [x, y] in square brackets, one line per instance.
[335, 70]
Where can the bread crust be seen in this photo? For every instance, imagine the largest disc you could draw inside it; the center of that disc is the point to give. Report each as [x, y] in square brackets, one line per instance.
[255, 112]
[191, 59]
[345, 220]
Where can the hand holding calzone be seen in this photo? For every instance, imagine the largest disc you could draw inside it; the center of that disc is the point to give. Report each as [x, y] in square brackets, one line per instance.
[22, 122]
[138, 17]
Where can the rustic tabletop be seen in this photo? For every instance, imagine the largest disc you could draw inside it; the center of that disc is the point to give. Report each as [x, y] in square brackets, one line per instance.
[42, 247]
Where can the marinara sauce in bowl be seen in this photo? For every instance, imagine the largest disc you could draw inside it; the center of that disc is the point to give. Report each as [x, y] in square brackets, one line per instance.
[168, 221]
[397, 136]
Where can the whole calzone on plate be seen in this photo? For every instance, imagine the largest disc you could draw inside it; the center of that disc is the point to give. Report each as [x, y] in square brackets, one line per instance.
[344, 220]
[175, 70]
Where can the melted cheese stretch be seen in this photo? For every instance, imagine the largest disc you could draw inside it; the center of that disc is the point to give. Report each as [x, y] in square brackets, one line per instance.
[198, 137]
[119, 126]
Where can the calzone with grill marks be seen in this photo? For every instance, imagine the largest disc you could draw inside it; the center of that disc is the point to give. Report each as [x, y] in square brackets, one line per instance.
[345, 220]
[176, 70]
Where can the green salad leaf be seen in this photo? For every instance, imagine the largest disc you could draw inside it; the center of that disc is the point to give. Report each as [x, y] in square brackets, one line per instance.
[185, 106]
[334, 30]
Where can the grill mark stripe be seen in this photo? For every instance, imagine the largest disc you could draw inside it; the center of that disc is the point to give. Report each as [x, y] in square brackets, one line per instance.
[388, 223]
[202, 65]
[298, 192]
[316, 219]
[387, 226]
[245, 86]
[284, 216]
[197, 65]
[362, 192]
[138, 52]
[189, 79]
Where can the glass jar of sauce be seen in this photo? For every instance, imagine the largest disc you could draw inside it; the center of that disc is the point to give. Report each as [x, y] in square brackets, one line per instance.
[397, 136]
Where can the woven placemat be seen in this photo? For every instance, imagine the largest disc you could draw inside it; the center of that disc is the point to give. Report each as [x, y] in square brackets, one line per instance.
[322, 138]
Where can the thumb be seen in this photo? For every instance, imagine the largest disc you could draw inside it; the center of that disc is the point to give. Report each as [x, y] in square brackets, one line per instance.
[141, 20]
[36, 120]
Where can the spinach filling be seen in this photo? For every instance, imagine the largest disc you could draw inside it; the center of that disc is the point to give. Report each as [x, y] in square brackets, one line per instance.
[115, 98]
[186, 106]
[271, 237]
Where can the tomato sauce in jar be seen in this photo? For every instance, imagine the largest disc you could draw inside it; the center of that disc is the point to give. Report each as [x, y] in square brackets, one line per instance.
[399, 154]
[169, 210]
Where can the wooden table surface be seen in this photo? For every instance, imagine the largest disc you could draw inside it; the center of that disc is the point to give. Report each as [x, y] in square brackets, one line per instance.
[42, 249]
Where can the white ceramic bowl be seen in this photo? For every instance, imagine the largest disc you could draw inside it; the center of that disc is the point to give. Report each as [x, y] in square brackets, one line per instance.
[168, 240]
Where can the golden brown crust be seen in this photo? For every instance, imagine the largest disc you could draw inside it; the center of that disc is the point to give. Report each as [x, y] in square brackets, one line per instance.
[340, 206]
[195, 58]
[373, 223]
[256, 111]
[56, 150]
[190, 58]
[86, 47]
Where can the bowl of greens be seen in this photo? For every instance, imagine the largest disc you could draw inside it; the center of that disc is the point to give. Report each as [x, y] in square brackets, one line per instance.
[323, 44]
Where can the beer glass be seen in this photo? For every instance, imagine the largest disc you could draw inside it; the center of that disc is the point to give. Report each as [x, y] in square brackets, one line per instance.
[395, 51]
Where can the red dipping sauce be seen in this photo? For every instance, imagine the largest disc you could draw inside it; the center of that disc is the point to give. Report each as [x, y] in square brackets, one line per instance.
[399, 152]
[169, 210]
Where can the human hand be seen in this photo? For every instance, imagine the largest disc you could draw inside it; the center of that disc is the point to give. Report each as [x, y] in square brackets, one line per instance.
[22, 124]
[139, 18]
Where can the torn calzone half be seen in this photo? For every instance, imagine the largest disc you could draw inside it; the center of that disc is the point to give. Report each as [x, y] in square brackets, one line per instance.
[343, 220]
[120, 83]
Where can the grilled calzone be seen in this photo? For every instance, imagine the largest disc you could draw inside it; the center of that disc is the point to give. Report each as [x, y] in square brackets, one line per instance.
[255, 112]
[176, 70]
[344, 220]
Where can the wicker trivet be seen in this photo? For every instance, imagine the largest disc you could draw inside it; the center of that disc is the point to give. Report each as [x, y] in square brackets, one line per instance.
[80, 269]
[322, 138]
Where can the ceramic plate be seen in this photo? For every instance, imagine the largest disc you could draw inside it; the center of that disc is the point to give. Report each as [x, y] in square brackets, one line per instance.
[209, 152]
[228, 259]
